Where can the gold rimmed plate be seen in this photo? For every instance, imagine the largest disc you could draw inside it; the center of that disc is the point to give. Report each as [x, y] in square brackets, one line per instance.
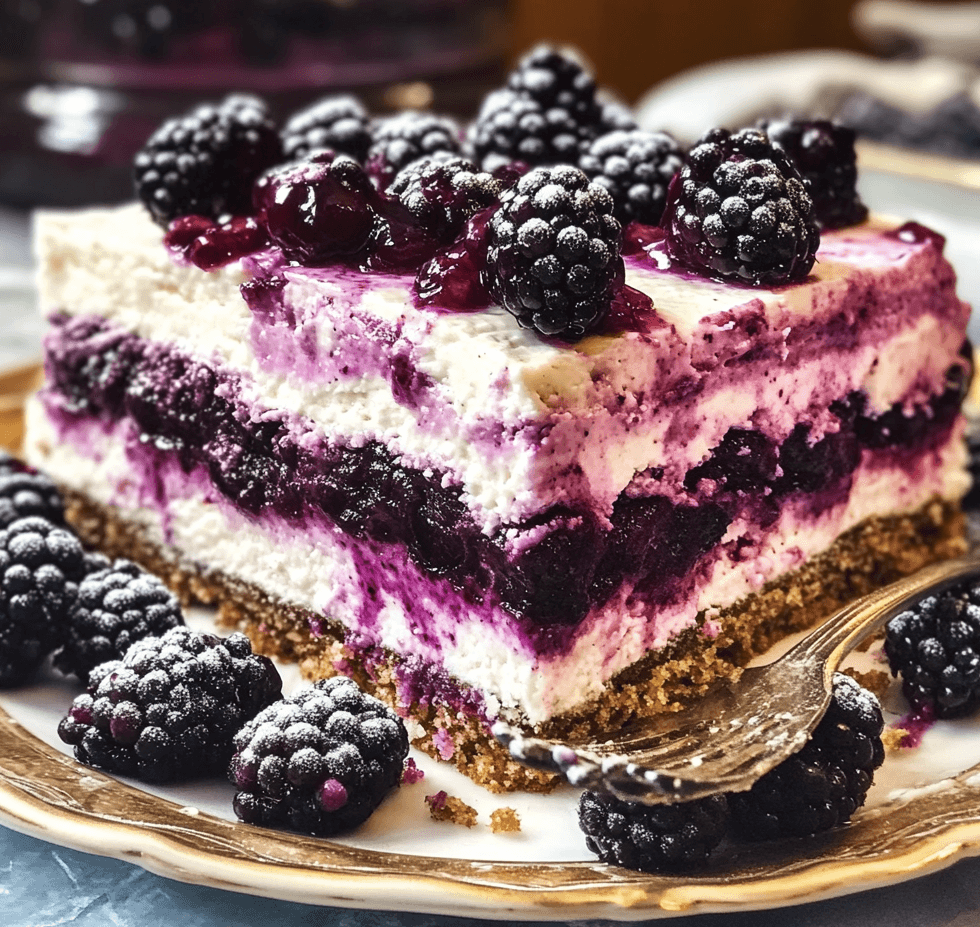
[923, 814]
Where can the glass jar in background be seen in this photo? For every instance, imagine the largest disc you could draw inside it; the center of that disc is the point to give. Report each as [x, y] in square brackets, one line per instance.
[84, 82]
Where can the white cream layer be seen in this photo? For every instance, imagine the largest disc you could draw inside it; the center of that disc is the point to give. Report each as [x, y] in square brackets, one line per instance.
[510, 418]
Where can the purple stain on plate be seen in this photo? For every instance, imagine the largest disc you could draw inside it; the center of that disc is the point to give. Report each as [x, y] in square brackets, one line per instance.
[915, 724]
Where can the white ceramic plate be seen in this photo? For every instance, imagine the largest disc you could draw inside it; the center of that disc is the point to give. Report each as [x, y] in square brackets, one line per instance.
[736, 90]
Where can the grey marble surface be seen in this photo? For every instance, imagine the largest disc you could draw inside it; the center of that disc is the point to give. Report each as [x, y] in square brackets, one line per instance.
[42, 884]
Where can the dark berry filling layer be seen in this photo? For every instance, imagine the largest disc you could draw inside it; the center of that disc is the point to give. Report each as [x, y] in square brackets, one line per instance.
[264, 464]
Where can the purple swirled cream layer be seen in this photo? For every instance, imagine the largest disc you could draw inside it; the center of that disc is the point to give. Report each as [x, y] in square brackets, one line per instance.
[528, 518]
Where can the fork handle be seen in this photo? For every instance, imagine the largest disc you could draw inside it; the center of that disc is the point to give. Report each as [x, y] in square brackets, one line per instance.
[843, 631]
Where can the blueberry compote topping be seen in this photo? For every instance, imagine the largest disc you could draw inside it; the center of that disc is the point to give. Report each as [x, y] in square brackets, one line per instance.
[397, 243]
[316, 210]
[914, 234]
[268, 465]
[210, 245]
[631, 310]
[453, 277]
[637, 237]
[441, 194]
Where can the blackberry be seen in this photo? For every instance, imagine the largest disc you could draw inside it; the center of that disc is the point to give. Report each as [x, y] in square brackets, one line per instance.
[24, 493]
[316, 210]
[40, 567]
[636, 168]
[739, 210]
[615, 116]
[335, 123]
[11, 464]
[512, 127]
[652, 838]
[320, 762]
[545, 115]
[820, 787]
[168, 710]
[441, 194]
[397, 141]
[823, 153]
[115, 607]
[554, 252]
[935, 647]
[94, 561]
[204, 162]
[555, 80]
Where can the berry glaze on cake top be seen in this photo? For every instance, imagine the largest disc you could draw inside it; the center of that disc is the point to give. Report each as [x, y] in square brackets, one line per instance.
[522, 517]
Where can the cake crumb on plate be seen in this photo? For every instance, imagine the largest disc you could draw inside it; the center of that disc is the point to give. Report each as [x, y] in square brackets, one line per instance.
[443, 807]
[505, 821]
[412, 774]
[896, 738]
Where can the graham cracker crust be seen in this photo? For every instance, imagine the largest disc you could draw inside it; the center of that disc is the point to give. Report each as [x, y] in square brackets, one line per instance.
[871, 555]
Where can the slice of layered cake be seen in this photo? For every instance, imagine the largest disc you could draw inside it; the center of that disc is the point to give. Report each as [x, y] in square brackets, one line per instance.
[474, 445]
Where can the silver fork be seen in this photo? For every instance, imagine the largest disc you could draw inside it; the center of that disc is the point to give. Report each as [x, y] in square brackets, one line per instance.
[738, 731]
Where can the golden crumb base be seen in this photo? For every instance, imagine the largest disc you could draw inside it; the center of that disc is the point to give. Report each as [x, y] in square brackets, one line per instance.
[876, 552]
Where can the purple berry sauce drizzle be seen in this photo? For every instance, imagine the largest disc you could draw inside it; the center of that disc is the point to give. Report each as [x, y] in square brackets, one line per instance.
[913, 233]
[195, 416]
[916, 724]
